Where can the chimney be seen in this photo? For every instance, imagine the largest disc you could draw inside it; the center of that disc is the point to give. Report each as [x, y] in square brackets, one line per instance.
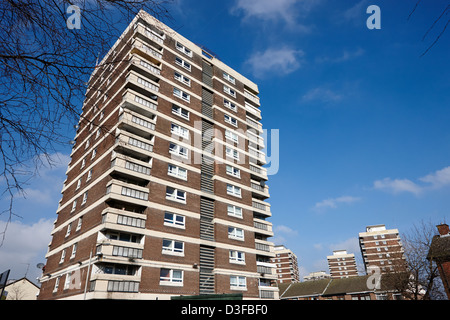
[443, 229]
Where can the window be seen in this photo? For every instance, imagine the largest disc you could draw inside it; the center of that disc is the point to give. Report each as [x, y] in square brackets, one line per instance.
[231, 136]
[80, 222]
[232, 153]
[183, 49]
[234, 211]
[177, 172]
[235, 233]
[178, 76]
[178, 150]
[179, 111]
[170, 276]
[226, 76]
[230, 91]
[74, 205]
[181, 94]
[85, 195]
[63, 255]
[238, 282]
[74, 250]
[56, 284]
[174, 220]
[83, 163]
[237, 257]
[179, 131]
[173, 247]
[229, 105]
[69, 228]
[97, 134]
[233, 190]
[88, 142]
[68, 281]
[78, 184]
[230, 120]
[89, 176]
[94, 153]
[183, 63]
[232, 171]
[175, 195]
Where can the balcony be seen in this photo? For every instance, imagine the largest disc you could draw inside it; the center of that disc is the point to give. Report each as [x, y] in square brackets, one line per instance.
[255, 140]
[259, 156]
[251, 97]
[263, 227]
[150, 35]
[261, 207]
[123, 220]
[146, 50]
[258, 172]
[126, 166]
[139, 103]
[141, 65]
[137, 124]
[133, 145]
[254, 111]
[127, 192]
[258, 190]
[254, 124]
[141, 84]
[264, 247]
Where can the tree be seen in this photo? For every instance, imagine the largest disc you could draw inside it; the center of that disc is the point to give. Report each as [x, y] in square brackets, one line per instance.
[440, 23]
[421, 279]
[44, 69]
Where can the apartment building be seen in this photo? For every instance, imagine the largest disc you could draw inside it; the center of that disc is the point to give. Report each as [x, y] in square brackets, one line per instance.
[342, 264]
[286, 264]
[382, 248]
[165, 191]
[318, 275]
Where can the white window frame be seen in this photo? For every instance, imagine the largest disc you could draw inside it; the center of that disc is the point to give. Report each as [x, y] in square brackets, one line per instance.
[183, 63]
[182, 48]
[174, 221]
[234, 190]
[63, 256]
[229, 78]
[182, 78]
[236, 233]
[238, 283]
[230, 105]
[179, 130]
[68, 280]
[175, 195]
[179, 111]
[89, 175]
[85, 195]
[231, 136]
[234, 211]
[69, 229]
[171, 280]
[232, 153]
[177, 92]
[171, 249]
[233, 171]
[229, 91]
[177, 172]
[57, 280]
[74, 250]
[78, 184]
[74, 205]
[230, 120]
[80, 222]
[237, 257]
[94, 153]
[176, 149]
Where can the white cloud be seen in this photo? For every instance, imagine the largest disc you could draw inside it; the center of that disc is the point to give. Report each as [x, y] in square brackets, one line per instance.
[397, 186]
[267, 9]
[438, 179]
[279, 61]
[334, 202]
[322, 95]
[24, 244]
[432, 181]
[351, 245]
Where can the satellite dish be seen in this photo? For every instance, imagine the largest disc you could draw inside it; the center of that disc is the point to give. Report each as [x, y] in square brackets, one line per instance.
[40, 265]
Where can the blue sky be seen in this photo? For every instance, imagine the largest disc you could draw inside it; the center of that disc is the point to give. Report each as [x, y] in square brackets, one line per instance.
[362, 119]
